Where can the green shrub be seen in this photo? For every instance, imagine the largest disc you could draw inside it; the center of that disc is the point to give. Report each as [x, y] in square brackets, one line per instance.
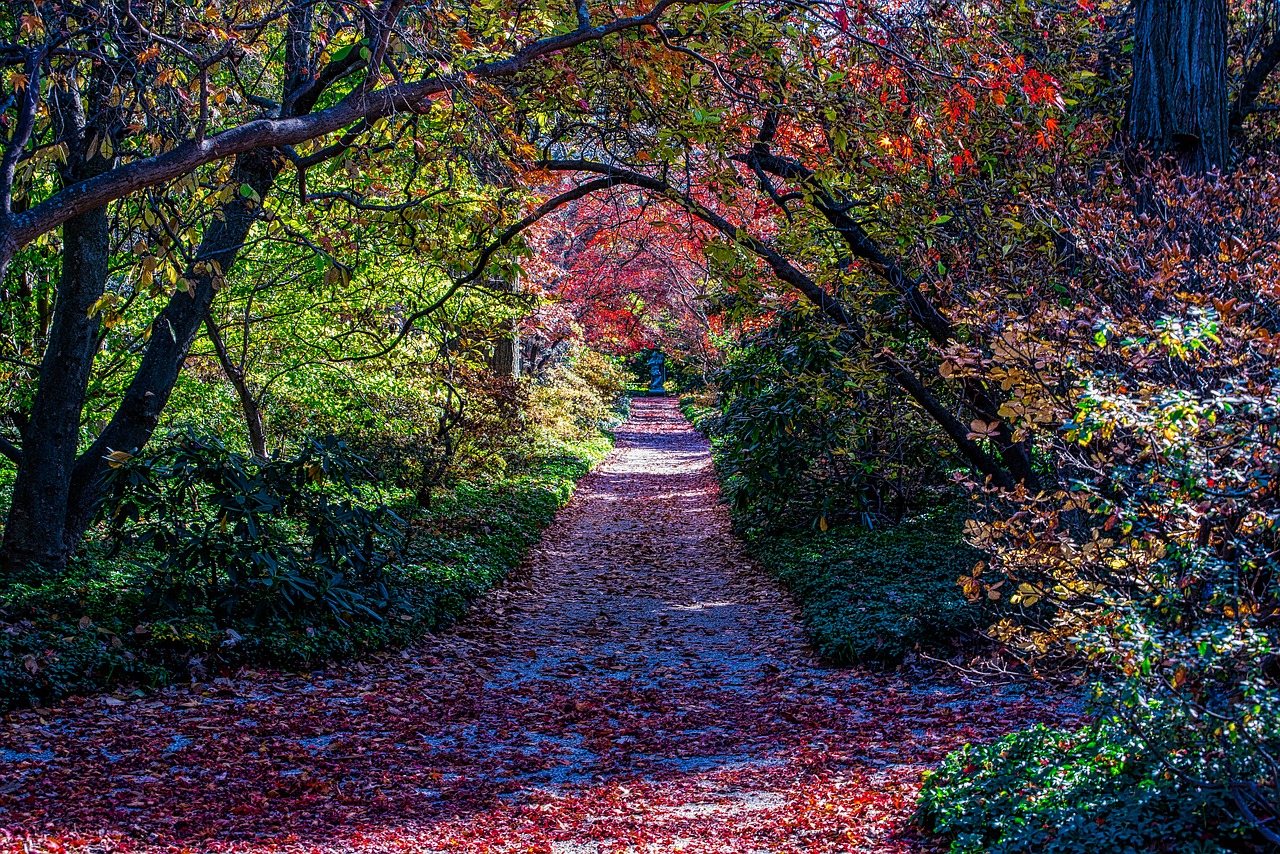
[104, 624]
[809, 434]
[247, 538]
[874, 595]
[1096, 791]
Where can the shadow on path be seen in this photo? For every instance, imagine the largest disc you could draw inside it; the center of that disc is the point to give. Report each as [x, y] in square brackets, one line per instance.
[637, 686]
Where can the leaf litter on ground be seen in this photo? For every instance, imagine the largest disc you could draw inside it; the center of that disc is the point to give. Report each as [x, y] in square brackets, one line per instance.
[638, 686]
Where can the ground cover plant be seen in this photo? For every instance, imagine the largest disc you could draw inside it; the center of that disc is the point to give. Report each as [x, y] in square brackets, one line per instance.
[876, 596]
[213, 561]
[1097, 788]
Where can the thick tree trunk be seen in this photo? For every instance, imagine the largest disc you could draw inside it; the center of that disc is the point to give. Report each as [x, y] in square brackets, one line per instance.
[35, 529]
[68, 511]
[173, 332]
[34, 532]
[1178, 102]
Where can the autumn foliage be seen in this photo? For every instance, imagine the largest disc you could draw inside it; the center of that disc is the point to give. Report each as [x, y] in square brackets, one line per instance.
[999, 261]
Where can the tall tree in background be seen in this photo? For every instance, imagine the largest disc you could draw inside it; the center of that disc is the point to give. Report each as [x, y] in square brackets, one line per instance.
[1179, 101]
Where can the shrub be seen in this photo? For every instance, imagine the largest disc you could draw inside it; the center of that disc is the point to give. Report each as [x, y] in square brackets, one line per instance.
[465, 543]
[1100, 789]
[47, 658]
[576, 399]
[809, 434]
[874, 596]
[252, 538]
[1150, 550]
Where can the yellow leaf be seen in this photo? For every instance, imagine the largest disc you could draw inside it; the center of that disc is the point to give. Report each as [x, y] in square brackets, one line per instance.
[115, 459]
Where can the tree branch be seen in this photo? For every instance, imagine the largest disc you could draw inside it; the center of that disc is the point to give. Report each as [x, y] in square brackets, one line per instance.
[817, 295]
[1255, 78]
[21, 133]
[503, 240]
[18, 230]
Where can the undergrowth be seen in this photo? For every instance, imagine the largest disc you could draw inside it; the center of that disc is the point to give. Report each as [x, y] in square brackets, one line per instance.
[97, 628]
[1051, 791]
[869, 595]
[875, 595]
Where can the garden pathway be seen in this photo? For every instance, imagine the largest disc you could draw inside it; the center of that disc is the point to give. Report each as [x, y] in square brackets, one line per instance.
[638, 686]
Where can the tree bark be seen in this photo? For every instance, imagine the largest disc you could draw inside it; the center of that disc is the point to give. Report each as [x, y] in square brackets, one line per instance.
[506, 349]
[35, 529]
[173, 333]
[506, 354]
[34, 532]
[235, 375]
[1178, 101]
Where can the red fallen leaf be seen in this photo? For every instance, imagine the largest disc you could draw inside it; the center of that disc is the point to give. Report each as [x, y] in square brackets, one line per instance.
[523, 735]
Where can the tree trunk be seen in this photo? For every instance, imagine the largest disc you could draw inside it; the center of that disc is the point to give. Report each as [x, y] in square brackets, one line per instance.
[56, 502]
[35, 529]
[248, 403]
[1178, 102]
[506, 354]
[173, 333]
[506, 350]
[34, 532]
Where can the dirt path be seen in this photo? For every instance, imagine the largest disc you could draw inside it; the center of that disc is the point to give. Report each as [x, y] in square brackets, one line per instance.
[639, 686]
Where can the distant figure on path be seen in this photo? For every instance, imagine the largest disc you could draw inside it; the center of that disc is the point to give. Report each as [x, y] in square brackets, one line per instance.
[657, 373]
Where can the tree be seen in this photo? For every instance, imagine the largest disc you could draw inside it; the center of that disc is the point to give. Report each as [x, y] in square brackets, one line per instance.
[159, 93]
[1178, 100]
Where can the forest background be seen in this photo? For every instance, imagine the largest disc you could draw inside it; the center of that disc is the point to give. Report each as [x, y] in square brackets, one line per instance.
[312, 312]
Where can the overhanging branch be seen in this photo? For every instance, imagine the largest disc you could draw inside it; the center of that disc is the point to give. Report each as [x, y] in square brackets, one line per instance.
[830, 306]
[18, 230]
